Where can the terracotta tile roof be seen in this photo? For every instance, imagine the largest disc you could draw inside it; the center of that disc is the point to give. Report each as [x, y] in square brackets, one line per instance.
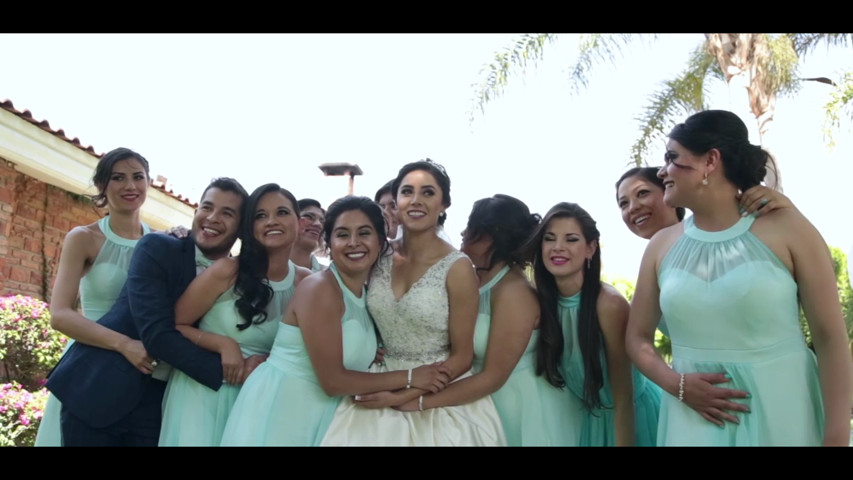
[44, 125]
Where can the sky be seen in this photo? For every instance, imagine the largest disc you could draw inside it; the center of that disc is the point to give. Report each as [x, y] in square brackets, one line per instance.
[272, 108]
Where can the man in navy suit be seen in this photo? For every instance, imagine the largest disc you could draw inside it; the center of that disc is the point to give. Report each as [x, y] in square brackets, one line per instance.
[107, 401]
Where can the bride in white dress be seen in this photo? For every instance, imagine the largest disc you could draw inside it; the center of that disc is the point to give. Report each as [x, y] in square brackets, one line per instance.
[424, 301]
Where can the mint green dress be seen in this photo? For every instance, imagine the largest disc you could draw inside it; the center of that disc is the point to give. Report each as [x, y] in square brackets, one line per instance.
[597, 429]
[282, 403]
[532, 411]
[99, 289]
[731, 306]
[194, 415]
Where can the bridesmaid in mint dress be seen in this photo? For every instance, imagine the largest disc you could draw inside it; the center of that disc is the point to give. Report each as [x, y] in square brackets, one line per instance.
[242, 300]
[531, 410]
[325, 343]
[582, 340]
[729, 287]
[94, 263]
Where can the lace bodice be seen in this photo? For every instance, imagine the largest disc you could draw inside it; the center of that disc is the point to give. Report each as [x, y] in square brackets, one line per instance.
[416, 327]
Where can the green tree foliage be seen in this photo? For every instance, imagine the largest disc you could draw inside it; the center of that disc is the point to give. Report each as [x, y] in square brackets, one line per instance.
[768, 63]
[845, 295]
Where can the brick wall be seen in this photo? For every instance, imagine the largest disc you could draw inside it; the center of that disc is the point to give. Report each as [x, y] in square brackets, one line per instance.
[34, 218]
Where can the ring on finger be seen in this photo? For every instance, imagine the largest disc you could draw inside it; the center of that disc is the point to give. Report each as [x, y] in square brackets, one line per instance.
[764, 202]
[154, 364]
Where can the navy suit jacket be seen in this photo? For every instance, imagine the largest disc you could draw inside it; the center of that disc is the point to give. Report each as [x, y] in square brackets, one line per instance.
[100, 386]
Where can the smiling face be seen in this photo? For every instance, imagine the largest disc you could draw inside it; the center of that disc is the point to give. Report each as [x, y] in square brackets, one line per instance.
[419, 201]
[354, 243]
[216, 221]
[127, 187]
[682, 174]
[274, 221]
[311, 220]
[643, 208]
[564, 248]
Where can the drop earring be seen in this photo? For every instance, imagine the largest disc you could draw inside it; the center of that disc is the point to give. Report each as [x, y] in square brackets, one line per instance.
[705, 180]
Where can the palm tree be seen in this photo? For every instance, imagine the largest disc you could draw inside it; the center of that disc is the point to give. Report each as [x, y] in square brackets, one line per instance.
[765, 64]
[840, 100]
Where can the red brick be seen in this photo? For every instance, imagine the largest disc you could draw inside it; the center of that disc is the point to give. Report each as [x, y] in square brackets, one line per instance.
[19, 274]
[6, 195]
[22, 254]
[15, 241]
[32, 264]
[32, 245]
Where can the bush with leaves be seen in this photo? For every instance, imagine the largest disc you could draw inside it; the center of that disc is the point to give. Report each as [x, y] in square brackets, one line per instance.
[29, 346]
[20, 414]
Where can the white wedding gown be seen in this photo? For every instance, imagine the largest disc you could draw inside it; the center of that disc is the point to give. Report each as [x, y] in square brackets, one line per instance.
[415, 331]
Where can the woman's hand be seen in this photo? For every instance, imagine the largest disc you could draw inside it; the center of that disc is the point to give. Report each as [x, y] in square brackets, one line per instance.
[379, 359]
[178, 231]
[250, 364]
[232, 362]
[712, 402]
[379, 399]
[135, 353]
[762, 200]
[432, 378]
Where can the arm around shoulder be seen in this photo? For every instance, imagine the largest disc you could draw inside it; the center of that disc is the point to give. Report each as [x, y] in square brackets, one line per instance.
[151, 294]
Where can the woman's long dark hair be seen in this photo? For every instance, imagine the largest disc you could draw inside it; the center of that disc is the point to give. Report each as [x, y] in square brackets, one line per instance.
[252, 285]
[550, 346]
[508, 221]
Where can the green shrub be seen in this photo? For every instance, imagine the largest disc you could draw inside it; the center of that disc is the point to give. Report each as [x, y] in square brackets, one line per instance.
[29, 346]
[20, 414]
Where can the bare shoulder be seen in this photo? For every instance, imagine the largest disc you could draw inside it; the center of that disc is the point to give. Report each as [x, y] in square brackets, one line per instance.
[224, 268]
[319, 293]
[320, 283]
[462, 268]
[515, 288]
[666, 236]
[662, 241]
[301, 274]
[779, 220]
[86, 239]
[611, 304]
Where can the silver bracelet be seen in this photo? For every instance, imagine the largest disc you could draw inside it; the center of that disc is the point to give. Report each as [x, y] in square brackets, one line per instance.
[681, 388]
[421, 403]
[409, 379]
